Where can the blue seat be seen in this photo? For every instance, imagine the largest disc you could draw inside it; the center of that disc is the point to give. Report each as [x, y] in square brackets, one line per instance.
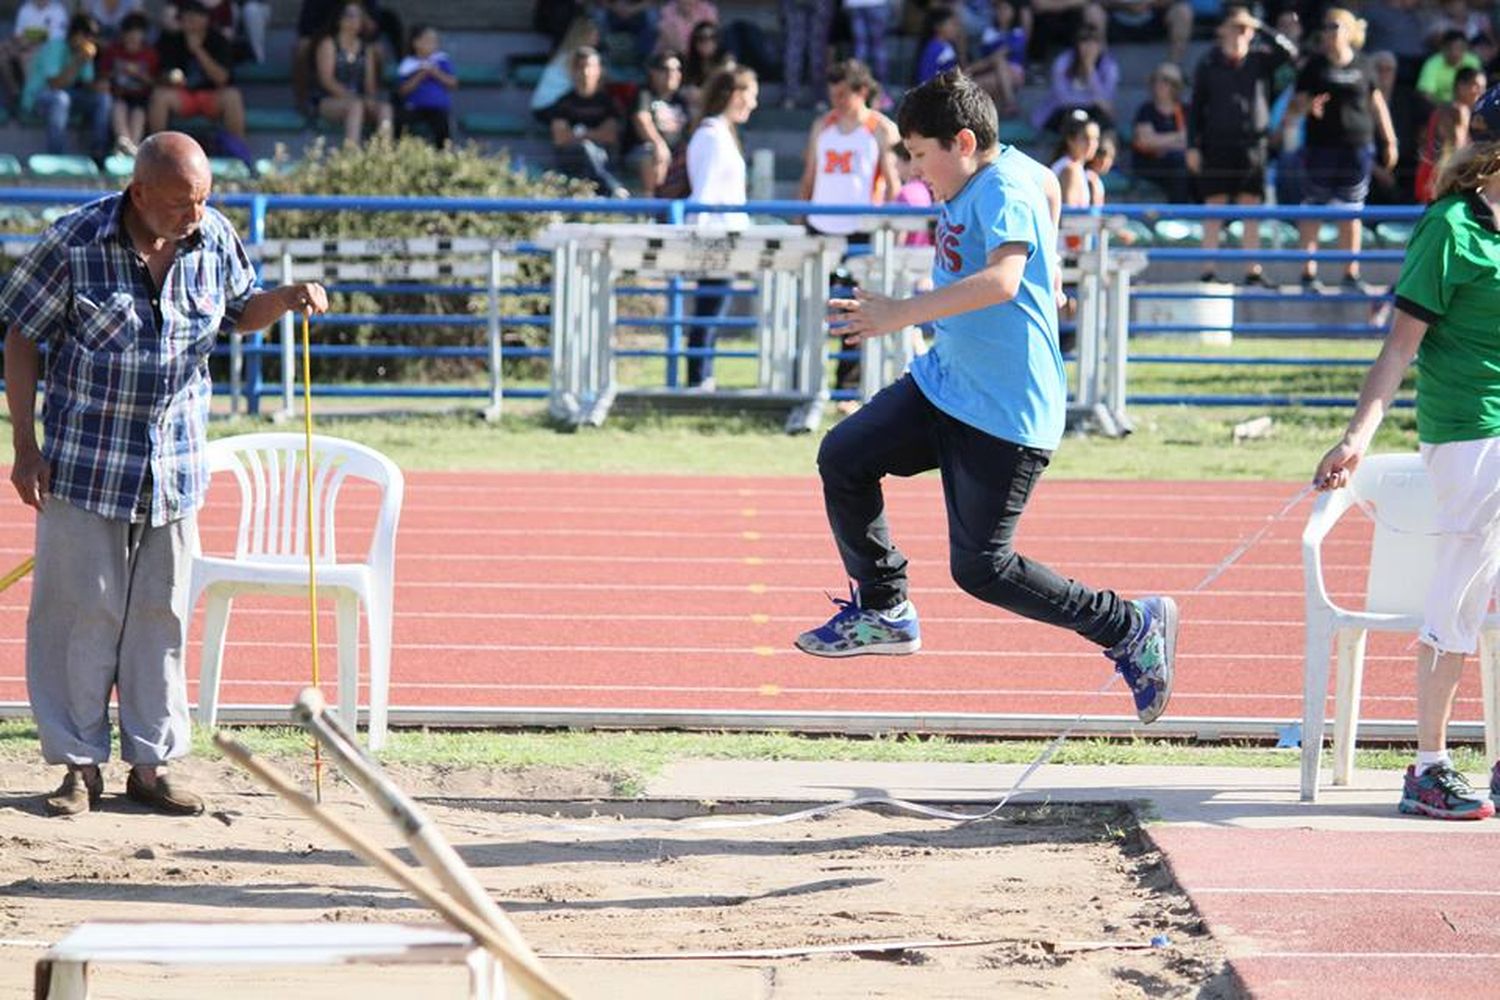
[119, 166]
[501, 123]
[274, 120]
[54, 166]
[9, 166]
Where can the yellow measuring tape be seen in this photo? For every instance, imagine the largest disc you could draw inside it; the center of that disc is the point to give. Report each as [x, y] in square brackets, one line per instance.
[312, 538]
[11, 578]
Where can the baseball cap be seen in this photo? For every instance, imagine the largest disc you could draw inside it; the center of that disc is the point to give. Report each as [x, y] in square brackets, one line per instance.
[1486, 117]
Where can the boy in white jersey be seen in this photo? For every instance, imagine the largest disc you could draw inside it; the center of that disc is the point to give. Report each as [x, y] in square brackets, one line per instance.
[986, 406]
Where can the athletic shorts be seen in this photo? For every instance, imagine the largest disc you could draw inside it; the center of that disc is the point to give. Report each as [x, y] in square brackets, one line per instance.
[1337, 175]
[1232, 170]
[200, 104]
[1465, 477]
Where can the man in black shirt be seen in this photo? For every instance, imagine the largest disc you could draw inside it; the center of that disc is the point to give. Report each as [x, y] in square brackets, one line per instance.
[586, 126]
[195, 68]
[1228, 121]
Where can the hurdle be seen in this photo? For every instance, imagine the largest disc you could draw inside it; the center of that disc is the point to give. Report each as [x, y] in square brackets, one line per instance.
[382, 261]
[791, 269]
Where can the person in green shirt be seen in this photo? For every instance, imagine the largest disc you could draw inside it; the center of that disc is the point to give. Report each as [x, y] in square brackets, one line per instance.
[1448, 319]
[60, 78]
[1435, 81]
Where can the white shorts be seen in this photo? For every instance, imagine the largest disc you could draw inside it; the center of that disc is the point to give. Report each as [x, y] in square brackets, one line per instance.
[1465, 476]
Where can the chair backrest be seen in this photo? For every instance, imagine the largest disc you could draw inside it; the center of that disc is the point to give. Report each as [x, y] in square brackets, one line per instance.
[271, 472]
[1396, 491]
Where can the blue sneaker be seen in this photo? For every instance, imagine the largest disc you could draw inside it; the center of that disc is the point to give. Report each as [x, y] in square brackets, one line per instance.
[856, 630]
[1442, 793]
[1145, 659]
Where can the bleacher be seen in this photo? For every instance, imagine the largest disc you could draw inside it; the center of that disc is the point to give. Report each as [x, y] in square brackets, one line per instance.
[498, 59]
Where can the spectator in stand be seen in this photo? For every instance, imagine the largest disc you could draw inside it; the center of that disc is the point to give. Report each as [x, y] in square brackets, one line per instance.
[61, 78]
[557, 75]
[1149, 20]
[1084, 77]
[586, 126]
[1399, 27]
[348, 75]
[1000, 67]
[131, 67]
[636, 18]
[552, 17]
[1409, 112]
[679, 20]
[806, 25]
[1078, 144]
[1472, 20]
[1435, 81]
[313, 20]
[110, 16]
[196, 76]
[706, 58]
[1229, 120]
[427, 83]
[1158, 139]
[660, 120]
[37, 21]
[1447, 130]
[940, 50]
[869, 20]
[1055, 24]
[1345, 113]
[848, 160]
[716, 172]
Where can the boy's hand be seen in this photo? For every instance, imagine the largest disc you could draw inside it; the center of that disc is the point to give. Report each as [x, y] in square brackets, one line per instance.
[867, 315]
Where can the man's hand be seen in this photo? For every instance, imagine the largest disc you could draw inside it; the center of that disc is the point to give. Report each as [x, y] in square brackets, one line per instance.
[30, 475]
[1318, 105]
[1194, 161]
[309, 297]
[867, 315]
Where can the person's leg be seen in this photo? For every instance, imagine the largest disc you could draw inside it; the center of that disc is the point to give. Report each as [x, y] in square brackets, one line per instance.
[135, 124]
[119, 122]
[1179, 17]
[99, 106]
[986, 484]
[1437, 684]
[877, 21]
[354, 120]
[164, 104]
[795, 23]
[860, 30]
[892, 435]
[1351, 232]
[600, 169]
[707, 304]
[1211, 229]
[820, 27]
[154, 725]
[54, 107]
[1253, 269]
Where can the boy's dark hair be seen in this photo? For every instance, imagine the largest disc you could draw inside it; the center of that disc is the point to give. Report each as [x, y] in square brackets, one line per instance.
[1466, 74]
[82, 24]
[854, 73]
[417, 31]
[135, 21]
[946, 105]
[937, 15]
[1452, 35]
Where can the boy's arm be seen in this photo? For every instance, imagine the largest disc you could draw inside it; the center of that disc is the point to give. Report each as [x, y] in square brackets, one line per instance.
[1053, 190]
[870, 315]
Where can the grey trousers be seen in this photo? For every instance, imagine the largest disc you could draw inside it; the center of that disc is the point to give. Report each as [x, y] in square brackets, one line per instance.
[108, 611]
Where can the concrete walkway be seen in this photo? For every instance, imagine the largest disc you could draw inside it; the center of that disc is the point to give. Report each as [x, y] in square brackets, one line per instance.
[1344, 898]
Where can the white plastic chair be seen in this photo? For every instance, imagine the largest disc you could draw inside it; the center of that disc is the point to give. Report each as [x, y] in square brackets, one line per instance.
[270, 556]
[1402, 563]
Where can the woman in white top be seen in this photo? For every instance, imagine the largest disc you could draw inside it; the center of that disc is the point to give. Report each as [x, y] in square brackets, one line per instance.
[716, 170]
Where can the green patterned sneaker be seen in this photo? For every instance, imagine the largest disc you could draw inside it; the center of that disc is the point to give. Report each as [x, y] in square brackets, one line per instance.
[855, 631]
[1442, 792]
[1145, 659]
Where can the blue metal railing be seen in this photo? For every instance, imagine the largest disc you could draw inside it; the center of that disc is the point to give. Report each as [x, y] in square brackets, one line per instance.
[261, 207]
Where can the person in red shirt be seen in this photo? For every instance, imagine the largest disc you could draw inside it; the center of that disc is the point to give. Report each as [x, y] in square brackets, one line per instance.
[130, 67]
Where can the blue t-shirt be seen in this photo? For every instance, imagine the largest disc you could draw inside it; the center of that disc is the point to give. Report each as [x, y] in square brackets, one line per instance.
[937, 57]
[999, 368]
[429, 94]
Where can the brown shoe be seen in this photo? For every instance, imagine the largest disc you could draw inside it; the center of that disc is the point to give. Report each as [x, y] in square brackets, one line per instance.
[80, 791]
[165, 796]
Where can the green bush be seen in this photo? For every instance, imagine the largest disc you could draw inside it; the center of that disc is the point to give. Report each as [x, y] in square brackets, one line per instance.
[415, 168]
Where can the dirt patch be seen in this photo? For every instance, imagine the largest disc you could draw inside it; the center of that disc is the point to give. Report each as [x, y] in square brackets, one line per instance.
[615, 883]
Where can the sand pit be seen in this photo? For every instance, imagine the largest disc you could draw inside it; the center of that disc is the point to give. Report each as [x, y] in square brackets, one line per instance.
[1030, 885]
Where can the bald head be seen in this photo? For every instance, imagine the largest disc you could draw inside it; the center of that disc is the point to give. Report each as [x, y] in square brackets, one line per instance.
[170, 186]
[171, 156]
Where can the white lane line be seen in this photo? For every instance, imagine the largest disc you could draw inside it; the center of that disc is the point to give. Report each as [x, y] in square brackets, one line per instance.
[1390, 956]
[1383, 891]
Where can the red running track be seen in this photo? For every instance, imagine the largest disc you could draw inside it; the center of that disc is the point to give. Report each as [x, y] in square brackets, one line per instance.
[668, 592]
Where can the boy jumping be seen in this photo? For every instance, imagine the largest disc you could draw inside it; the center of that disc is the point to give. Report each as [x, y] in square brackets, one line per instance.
[986, 406]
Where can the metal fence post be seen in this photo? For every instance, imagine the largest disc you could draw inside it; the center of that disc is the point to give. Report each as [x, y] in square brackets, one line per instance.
[258, 208]
[676, 216]
[492, 412]
[288, 351]
[560, 402]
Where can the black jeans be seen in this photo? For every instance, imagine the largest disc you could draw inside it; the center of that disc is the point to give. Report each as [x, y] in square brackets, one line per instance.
[707, 304]
[986, 483]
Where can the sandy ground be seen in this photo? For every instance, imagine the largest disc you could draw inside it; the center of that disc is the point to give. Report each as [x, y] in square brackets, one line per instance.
[628, 883]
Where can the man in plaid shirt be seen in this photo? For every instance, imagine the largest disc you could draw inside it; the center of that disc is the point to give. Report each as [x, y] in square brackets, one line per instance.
[128, 294]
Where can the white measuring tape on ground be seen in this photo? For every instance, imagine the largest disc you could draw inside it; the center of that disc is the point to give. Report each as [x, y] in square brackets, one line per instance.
[917, 808]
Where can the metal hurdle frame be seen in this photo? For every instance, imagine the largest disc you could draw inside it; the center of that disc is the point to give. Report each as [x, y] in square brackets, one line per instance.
[380, 260]
[790, 265]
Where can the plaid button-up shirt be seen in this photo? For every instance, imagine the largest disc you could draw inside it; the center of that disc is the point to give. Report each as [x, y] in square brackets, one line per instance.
[127, 365]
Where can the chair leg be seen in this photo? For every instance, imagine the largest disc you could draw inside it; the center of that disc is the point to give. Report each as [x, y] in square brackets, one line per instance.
[1351, 650]
[1314, 700]
[379, 618]
[347, 607]
[215, 628]
[1489, 675]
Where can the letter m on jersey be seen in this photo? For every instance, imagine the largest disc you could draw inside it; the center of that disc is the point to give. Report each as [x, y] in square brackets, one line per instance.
[838, 161]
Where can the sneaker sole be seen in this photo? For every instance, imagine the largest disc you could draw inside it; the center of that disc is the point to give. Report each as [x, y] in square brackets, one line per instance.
[1169, 649]
[882, 649]
[1412, 808]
